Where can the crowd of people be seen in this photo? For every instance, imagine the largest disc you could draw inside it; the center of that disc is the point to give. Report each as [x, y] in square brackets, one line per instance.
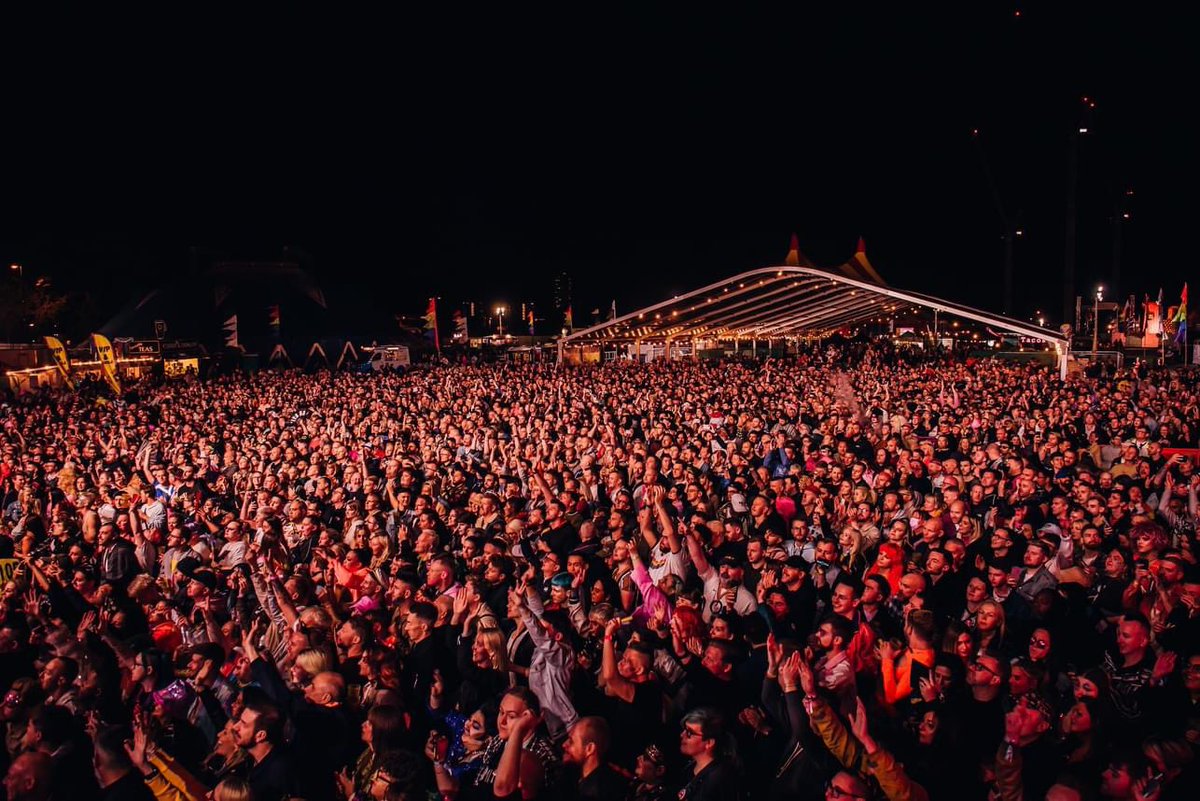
[844, 575]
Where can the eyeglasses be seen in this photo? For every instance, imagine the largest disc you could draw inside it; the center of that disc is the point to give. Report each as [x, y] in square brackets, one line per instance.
[689, 733]
[833, 791]
[975, 664]
[1039, 642]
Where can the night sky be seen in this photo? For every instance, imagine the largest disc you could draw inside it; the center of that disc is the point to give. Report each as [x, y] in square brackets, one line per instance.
[475, 156]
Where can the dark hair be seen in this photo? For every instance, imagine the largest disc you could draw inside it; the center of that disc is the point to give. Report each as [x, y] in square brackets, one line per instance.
[268, 718]
[504, 564]
[362, 629]
[850, 581]
[712, 727]
[446, 561]
[425, 611]
[595, 730]
[1139, 618]
[388, 727]
[56, 725]
[489, 710]
[404, 769]
[841, 628]
[110, 748]
[525, 696]
[560, 621]
[160, 666]
[70, 670]
[885, 588]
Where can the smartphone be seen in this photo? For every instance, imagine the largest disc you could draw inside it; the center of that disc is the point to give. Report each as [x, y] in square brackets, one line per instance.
[1015, 573]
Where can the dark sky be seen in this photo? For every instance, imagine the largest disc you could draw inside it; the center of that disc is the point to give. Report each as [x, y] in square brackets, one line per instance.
[478, 154]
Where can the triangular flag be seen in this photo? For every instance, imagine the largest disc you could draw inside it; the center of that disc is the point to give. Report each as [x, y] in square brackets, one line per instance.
[793, 256]
[231, 332]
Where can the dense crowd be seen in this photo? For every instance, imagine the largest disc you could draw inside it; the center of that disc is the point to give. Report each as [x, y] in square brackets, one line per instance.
[843, 575]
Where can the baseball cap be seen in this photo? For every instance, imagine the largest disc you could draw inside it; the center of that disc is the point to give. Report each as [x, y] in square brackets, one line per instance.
[1050, 528]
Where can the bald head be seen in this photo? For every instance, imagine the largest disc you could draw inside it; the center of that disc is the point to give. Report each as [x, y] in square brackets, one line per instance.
[28, 777]
[327, 688]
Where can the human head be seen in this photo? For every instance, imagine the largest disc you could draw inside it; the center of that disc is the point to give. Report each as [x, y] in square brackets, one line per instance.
[516, 702]
[588, 742]
[702, 733]
[29, 777]
[260, 725]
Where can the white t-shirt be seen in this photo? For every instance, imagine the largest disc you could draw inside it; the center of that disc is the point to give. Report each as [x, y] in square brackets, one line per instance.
[663, 562]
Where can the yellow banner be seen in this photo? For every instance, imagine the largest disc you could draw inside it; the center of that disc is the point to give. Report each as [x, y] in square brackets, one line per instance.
[108, 361]
[61, 360]
[7, 568]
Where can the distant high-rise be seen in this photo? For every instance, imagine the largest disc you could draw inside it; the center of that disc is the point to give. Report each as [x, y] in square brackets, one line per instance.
[562, 292]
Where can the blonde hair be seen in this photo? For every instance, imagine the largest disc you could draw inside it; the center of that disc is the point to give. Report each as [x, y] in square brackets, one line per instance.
[493, 640]
[313, 661]
[1001, 626]
[855, 542]
[232, 788]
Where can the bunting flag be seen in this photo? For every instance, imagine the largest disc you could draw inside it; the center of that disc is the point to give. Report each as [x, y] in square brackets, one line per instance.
[1153, 331]
[530, 315]
[108, 361]
[460, 327]
[1128, 315]
[431, 327]
[273, 316]
[568, 320]
[1181, 317]
[61, 360]
[231, 333]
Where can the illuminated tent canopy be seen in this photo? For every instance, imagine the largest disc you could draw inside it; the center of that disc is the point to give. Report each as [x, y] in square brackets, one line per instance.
[793, 300]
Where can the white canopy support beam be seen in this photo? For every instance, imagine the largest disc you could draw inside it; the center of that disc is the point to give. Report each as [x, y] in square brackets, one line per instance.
[786, 301]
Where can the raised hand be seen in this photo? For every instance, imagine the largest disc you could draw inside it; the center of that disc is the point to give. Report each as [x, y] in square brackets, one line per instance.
[136, 747]
[1163, 666]
[808, 682]
[859, 726]
[774, 655]
[789, 671]
[460, 605]
[86, 623]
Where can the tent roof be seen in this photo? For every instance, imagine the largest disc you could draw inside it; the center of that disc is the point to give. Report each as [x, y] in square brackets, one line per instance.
[794, 299]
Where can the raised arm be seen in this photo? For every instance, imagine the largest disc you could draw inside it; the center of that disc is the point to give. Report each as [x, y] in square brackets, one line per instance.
[667, 525]
[614, 683]
[696, 552]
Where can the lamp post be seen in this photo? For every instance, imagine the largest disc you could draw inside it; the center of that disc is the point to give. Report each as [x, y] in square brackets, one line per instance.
[1096, 322]
[19, 269]
[500, 314]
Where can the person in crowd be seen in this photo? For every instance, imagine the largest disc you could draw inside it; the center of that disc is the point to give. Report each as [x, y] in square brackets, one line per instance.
[921, 578]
